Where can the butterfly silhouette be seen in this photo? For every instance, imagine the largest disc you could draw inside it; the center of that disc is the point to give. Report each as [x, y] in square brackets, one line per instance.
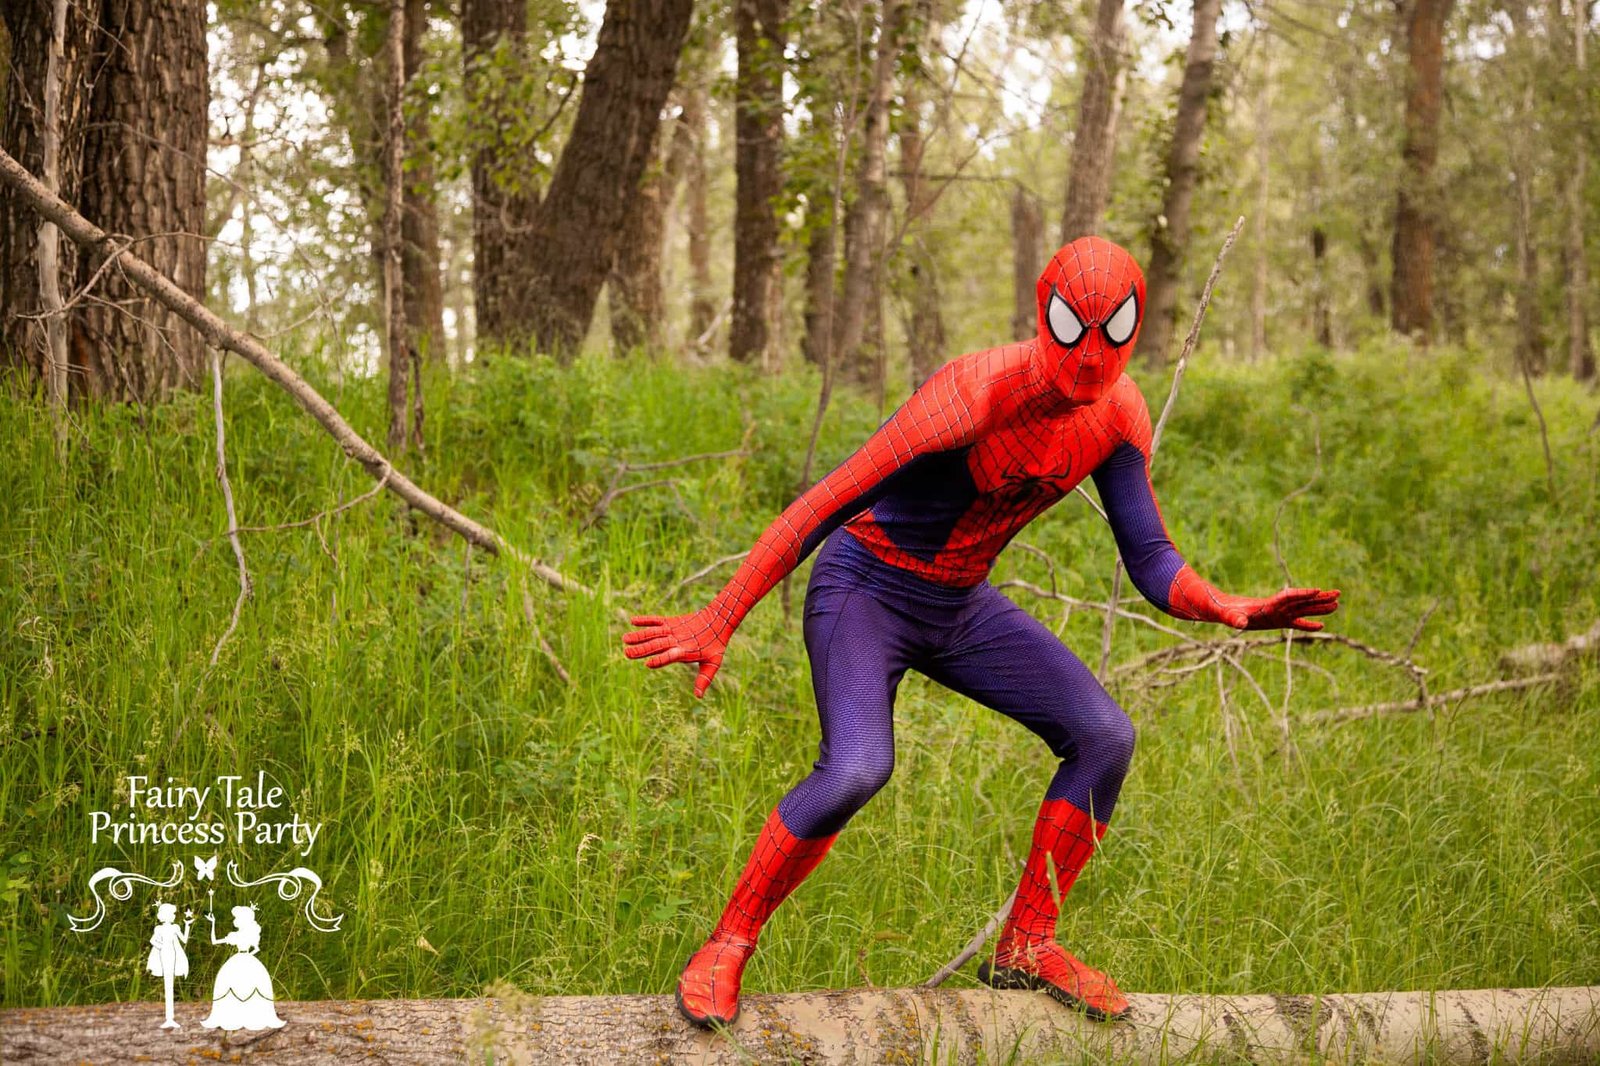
[205, 869]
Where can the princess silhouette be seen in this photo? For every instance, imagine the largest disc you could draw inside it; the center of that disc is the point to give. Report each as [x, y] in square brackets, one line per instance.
[242, 996]
[167, 960]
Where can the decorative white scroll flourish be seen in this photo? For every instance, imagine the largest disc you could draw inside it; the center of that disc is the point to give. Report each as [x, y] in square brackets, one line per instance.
[289, 886]
[120, 887]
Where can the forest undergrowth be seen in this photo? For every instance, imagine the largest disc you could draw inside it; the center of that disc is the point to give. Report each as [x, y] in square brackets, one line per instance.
[485, 821]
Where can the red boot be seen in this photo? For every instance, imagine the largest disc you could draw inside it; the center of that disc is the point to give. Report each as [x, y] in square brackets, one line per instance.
[708, 990]
[1027, 955]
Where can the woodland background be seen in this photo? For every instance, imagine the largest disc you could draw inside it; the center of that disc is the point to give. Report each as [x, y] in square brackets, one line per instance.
[618, 280]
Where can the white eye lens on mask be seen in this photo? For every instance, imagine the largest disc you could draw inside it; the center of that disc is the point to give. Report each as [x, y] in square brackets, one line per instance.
[1119, 327]
[1065, 326]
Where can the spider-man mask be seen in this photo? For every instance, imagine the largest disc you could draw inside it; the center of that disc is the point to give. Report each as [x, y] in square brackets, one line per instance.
[1091, 301]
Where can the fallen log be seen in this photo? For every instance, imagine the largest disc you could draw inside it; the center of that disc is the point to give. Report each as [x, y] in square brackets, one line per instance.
[1553, 1025]
[1545, 658]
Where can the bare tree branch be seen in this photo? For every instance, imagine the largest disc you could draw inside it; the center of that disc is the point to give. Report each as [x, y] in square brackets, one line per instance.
[245, 584]
[220, 335]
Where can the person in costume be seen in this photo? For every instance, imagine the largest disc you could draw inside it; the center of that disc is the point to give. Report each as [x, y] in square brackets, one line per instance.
[989, 442]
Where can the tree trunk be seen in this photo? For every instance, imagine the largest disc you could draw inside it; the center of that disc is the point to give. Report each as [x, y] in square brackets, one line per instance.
[758, 136]
[1530, 349]
[1171, 237]
[1580, 356]
[132, 116]
[866, 218]
[29, 32]
[925, 337]
[50, 302]
[822, 259]
[702, 305]
[419, 225]
[846, 1026]
[1027, 262]
[638, 300]
[504, 197]
[1416, 210]
[394, 181]
[578, 227]
[1094, 145]
[1260, 231]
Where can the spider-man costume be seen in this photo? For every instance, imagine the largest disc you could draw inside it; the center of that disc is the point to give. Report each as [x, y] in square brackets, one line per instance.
[988, 443]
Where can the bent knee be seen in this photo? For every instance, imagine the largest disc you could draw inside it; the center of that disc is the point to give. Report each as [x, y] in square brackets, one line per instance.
[1115, 736]
[860, 781]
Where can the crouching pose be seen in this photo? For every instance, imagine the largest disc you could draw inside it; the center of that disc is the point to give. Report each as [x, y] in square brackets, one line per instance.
[983, 447]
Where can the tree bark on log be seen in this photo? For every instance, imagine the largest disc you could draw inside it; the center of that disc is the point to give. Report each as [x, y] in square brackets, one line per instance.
[1555, 1025]
[97, 245]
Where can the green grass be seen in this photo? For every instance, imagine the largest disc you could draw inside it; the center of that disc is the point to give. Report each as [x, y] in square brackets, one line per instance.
[581, 839]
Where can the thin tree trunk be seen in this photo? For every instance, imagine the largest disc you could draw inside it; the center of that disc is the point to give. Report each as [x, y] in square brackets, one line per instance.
[822, 257]
[394, 254]
[1027, 262]
[244, 178]
[758, 135]
[1529, 345]
[504, 197]
[1094, 144]
[702, 305]
[866, 218]
[1261, 234]
[1171, 235]
[419, 225]
[638, 300]
[1416, 210]
[1377, 299]
[49, 239]
[1580, 356]
[1530, 348]
[925, 337]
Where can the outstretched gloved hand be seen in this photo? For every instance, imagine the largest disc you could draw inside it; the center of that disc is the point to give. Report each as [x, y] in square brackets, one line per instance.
[1196, 600]
[701, 637]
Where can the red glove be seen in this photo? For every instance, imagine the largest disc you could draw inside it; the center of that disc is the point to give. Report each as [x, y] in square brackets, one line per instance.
[1193, 598]
[701, 637]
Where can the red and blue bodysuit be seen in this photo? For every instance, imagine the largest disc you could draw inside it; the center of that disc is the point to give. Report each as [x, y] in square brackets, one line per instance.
[909, 526]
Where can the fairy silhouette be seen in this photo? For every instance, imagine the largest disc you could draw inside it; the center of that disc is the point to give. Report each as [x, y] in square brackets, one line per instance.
[167, 959]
